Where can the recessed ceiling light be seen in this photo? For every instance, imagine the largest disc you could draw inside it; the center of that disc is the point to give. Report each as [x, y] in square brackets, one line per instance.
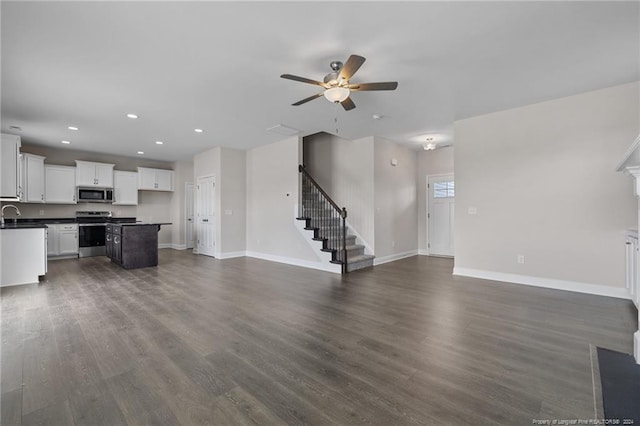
[134, 116]
[198, 130]
[72, 128]
[16, 128]
[159, 142]
[376, 117]
[140, 152]
[65, 142]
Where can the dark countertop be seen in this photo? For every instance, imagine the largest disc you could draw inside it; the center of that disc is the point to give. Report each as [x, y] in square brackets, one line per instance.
[27, 225]
[37, 220]
[145, 224]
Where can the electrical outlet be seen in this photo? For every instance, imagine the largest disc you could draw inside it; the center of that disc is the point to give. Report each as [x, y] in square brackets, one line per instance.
[472, 210]
[41, 212]
[393, 244]
[521, 259]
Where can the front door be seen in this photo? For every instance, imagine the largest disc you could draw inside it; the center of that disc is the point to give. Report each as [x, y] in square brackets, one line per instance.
[206, 215]
[190, 237]
[440, 214]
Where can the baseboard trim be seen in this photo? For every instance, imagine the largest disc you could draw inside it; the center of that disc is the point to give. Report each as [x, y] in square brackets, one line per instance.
[578, 287]
[423, 252]
[393, 257]
[172, 246]
[230, 254]
[295, 262]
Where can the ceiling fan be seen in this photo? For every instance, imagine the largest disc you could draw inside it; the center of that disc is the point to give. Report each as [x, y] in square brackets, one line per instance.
[336, 85]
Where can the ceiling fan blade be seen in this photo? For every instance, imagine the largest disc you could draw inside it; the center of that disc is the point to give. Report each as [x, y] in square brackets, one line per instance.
[303, 80]
[389, 85]
[353, 64]
[348, 104]
[310, 98]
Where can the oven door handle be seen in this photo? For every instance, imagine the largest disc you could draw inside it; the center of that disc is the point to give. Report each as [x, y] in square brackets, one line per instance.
[92, 224]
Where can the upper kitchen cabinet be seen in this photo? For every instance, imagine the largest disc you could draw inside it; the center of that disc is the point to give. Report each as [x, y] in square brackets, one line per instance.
[125, 188]
[11, 189]
[60, 184]
[90, 174]
[155, 179]
[33, 178]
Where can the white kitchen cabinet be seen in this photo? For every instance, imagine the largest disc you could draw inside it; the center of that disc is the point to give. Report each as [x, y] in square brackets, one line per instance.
[62, 239]
[90, 174]
[24, 255]
[125, 188]
[155, 179]
[33, 178]
[10, 168]
[60, 184]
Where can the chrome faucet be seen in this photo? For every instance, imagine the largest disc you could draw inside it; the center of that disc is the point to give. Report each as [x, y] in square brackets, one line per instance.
[2, 216]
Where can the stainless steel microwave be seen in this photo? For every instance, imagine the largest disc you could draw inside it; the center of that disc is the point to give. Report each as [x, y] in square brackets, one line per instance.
[95, 195]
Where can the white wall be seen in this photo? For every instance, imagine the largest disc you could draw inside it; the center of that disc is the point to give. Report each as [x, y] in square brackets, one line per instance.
[543, 180]
[437, 162]
[272, 196]
[233, 201]
[396, 200]
[344, 169]
[183, 173]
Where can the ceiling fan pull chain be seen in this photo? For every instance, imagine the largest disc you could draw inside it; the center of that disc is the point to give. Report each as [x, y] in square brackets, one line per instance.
[335, 118]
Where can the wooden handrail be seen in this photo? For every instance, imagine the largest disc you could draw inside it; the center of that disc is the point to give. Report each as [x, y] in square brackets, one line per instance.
[342, 211]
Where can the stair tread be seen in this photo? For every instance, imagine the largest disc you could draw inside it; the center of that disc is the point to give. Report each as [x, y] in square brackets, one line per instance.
[360, 257]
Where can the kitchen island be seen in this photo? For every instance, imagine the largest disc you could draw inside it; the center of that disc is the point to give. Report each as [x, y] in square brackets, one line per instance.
[133, 245]
[23, 253]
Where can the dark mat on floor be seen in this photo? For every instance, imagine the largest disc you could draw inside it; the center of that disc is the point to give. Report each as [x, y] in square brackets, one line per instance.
[620, 378]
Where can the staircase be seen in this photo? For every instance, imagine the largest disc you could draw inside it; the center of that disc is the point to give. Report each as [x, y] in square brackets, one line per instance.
[328, 223]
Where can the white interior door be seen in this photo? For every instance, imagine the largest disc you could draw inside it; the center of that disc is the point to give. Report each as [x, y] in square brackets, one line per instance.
[441, 200]
[190, 236]
[206, 216]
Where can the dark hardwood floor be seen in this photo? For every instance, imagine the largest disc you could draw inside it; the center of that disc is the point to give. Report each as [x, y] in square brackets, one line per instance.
[244, 341]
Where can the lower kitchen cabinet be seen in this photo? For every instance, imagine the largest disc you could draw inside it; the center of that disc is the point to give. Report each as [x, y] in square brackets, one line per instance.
[62, 240]
[23, 255]
[132, 246]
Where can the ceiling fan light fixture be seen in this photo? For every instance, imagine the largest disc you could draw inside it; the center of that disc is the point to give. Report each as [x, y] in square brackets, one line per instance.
[430, 146]
[336, 94]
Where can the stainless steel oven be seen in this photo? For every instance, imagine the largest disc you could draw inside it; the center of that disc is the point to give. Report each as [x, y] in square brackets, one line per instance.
[92, 230]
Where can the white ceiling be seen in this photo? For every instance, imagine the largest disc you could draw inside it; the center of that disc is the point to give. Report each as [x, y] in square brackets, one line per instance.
[216, 66]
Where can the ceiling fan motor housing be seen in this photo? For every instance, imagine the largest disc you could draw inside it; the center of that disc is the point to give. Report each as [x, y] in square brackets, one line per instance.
[332, 77]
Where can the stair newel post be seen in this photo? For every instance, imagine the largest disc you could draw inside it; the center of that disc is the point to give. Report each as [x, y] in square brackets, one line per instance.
[301, 184]
[344, 240]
